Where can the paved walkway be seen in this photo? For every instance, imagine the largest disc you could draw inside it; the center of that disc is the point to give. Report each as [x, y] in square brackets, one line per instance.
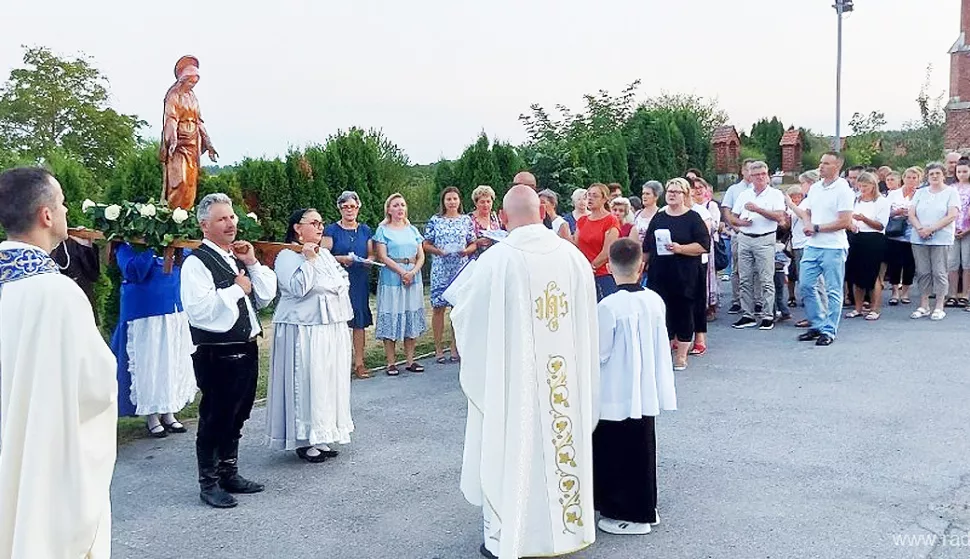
[780, 450]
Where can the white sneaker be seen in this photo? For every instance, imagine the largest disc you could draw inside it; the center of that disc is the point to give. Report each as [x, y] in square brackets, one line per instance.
[622, 527]
[657, 521]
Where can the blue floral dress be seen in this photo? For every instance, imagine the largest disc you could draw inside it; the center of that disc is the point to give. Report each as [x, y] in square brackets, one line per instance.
[450, 234]
[400, 308]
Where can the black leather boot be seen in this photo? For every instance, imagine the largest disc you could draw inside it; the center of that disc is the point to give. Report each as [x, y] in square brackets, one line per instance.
[211, 493]
[228, 471]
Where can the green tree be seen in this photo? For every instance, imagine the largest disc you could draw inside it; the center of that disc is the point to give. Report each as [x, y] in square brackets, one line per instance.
[57, 103]
[766, 137]
[706, 112]
[137, 176]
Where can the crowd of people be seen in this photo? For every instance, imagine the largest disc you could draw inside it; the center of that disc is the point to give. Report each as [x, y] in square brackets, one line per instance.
[645, 272]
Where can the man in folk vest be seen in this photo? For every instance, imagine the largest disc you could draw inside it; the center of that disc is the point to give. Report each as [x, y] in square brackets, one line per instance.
[222, 288]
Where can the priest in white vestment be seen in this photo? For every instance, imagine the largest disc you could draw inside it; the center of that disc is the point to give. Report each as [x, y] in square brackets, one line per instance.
[58, 394]
[526, 312]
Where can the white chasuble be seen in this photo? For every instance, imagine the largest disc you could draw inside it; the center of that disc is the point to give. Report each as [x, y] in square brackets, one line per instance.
[526, 323]
[58, 414]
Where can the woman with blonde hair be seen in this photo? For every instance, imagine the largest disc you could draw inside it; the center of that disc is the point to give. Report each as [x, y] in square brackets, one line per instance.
[623, 212]
[483, 218]
[675, 268]
[594, 235]
[400, 291]
[864, 269]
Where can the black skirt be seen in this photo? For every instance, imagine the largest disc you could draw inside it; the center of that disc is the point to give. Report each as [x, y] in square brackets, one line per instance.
[866, 254]
[625, 470]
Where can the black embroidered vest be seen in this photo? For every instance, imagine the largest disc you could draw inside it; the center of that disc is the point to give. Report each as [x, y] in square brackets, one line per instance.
[223, 277]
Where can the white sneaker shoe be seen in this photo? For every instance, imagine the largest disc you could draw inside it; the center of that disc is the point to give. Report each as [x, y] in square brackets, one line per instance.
[657, 521]
[622, 527]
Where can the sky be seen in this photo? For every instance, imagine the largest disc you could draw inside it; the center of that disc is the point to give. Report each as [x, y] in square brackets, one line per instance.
[433, 74]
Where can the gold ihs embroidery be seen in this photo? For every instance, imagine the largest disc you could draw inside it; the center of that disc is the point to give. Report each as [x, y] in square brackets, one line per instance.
[552, 306]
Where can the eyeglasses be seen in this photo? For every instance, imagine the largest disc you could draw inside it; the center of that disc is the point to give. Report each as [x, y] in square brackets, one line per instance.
[349, 207]
[676, 192]
[316, 223]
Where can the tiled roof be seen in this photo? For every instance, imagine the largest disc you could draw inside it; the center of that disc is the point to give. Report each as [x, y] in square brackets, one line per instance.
[724, 134]
[790, 138]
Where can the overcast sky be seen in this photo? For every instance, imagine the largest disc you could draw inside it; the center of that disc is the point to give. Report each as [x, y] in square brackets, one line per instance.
[434, 73]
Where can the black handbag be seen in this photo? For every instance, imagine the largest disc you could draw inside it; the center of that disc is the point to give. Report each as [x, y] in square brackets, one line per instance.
[896, 226]
[720, 255]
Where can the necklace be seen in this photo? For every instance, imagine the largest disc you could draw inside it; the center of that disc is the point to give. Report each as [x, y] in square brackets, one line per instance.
[352, 233]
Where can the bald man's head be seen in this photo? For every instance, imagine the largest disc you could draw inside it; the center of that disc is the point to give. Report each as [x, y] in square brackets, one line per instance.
[526, 178]
[521, 207]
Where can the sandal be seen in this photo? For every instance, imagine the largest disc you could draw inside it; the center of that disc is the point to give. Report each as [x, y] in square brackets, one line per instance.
[392, 371]
[680, 366]
[893, 302]
[853, 313]
[441, 360]
[361, 372]
[919, 313]
[174, 427]
[937, 315]
[873, 315]
[804, 323]
[905, 301]
[455, 359]
[967, 309]
[962, 302]
[792, 303]
[697, 349]
[414, 368]
[157, 432]
[950, 302]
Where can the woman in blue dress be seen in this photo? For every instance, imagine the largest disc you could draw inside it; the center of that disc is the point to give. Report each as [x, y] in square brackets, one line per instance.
[450, 237]
[346, 237]
[400, 292]
[156, 378]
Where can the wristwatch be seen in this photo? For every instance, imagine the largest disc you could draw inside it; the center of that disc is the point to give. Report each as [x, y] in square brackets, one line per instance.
[815, 228]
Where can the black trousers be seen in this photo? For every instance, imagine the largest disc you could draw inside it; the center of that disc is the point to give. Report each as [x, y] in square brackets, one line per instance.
[226, 376]
[625, 470]
[900, 264]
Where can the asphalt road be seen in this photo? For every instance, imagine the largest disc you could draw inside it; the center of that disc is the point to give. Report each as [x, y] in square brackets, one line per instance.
[779, 450]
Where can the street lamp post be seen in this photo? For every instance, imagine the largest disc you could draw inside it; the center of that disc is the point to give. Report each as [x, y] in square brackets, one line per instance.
[841, 7]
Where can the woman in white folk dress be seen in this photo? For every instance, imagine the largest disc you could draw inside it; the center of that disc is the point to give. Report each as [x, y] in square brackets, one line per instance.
[308, 407]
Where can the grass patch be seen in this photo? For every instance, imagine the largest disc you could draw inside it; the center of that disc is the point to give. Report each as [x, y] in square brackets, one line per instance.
[133, 428]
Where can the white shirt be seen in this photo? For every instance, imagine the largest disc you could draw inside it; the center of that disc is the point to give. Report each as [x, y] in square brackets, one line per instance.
[930, 208]
[636, 372]
[558, 223]
[770, 199]
[897, 199]
[799, 239]
[708, 220]
[825, 203]
[877, 210]
[214, 309]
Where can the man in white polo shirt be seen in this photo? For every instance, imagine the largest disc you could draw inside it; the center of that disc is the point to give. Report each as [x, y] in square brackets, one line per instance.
[756, 215]
[829, 207]
[727, 204]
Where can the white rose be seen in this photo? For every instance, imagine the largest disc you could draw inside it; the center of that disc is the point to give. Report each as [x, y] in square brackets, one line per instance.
[179, 215]
[87, 205]
[252, 215]
[112, 212]
[148, 210]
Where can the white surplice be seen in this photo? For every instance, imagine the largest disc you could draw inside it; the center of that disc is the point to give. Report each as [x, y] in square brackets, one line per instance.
[58, 416]
[525, 319]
